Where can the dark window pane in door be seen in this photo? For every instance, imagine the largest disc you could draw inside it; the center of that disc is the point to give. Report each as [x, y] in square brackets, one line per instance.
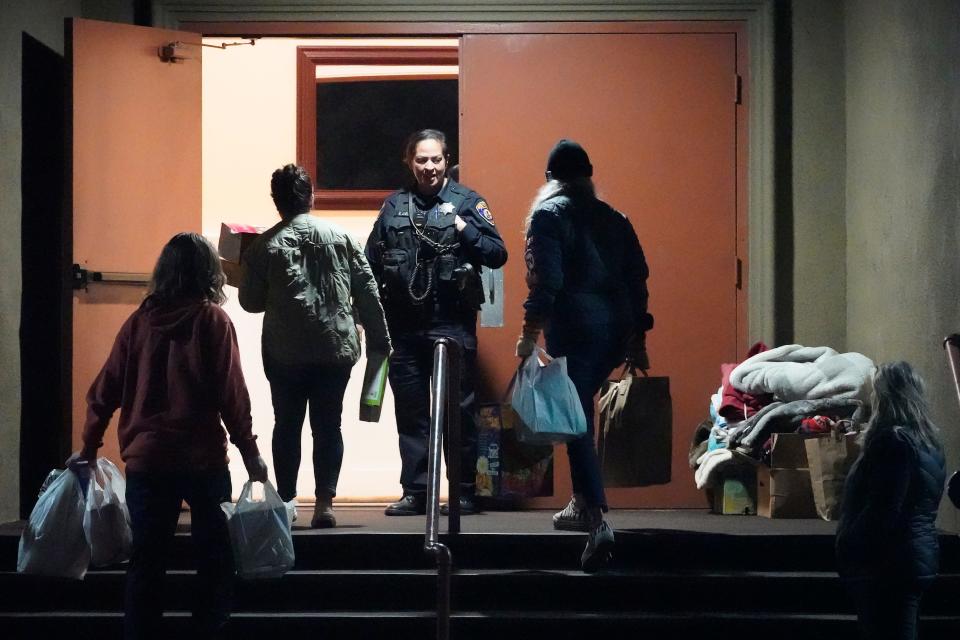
[362, 126]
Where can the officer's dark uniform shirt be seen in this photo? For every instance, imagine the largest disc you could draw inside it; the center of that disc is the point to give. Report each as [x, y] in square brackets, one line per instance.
[418, 257]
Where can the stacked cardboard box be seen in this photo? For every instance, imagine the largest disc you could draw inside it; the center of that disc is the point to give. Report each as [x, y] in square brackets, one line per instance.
[784, 489]
[736, 496]
[234, 240]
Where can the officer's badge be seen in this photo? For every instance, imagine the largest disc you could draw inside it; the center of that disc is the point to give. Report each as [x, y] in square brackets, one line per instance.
[484, 211]
[446, 208]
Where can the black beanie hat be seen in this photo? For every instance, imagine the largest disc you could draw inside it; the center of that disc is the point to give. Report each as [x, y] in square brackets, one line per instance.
[568, 160]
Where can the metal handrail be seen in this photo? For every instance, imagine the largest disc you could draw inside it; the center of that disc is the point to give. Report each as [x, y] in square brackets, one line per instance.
[444, 409]
[952, 344]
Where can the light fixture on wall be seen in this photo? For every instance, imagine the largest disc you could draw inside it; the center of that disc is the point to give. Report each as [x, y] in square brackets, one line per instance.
[172, 51]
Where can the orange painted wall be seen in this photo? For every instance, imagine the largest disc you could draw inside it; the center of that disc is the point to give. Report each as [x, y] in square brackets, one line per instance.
[656, 113]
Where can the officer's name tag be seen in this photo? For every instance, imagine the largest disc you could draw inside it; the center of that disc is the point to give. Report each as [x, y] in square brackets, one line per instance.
[403, 214]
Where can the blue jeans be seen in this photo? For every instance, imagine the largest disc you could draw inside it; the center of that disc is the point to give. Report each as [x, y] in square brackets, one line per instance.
[292, 387]
[591, 356]
[154, 501]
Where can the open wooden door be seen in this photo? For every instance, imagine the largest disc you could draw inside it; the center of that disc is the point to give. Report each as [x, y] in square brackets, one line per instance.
[657, 112]
[135, 175]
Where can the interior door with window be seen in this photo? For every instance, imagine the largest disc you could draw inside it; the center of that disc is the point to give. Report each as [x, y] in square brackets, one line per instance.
[657, 112]
[135, 176]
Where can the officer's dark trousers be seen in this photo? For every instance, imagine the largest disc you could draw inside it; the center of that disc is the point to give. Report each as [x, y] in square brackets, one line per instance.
[292, 387]
[591, 356]
[154, 502]
[410, 368]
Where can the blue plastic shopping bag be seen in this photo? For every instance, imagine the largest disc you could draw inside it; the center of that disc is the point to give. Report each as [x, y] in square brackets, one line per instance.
[546, 401]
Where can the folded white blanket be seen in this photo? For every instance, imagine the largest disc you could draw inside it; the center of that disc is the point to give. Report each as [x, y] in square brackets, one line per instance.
[794, 372]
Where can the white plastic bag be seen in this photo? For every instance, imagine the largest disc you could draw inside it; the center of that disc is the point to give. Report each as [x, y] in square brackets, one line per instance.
[260, 533]
[53, 542]
[546, 401]
[106, 520]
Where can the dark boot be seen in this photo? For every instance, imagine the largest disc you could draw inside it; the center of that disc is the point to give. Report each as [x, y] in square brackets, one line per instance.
[323, 516]
[468, 506]
[411, 504]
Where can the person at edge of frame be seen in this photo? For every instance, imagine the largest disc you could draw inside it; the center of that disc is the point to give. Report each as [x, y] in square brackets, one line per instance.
[587, 279]
[174, 373]
[887, 544]
[427, 248]
[310, 278]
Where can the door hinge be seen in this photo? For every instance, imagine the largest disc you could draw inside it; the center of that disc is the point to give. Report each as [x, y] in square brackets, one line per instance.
[739, 269]
[738, 90]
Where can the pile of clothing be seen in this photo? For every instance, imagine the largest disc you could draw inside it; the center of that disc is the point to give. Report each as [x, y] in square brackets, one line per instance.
[785, 389]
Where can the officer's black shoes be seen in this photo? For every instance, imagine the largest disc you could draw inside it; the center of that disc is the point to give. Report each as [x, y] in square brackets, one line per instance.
[468, 507]
[412, 504]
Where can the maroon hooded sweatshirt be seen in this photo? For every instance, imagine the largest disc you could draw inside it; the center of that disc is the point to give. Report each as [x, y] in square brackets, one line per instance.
[174, 372]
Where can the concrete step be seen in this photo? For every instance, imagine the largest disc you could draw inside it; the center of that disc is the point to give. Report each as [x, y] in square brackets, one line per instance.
[647, 550]
[476, 625]
[393, 591]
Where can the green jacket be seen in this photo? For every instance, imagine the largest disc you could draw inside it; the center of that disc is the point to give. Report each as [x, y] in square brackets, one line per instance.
[311, 279]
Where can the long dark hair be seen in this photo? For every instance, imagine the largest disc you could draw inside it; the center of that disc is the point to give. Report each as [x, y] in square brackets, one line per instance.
[899, 400]
[188, 268]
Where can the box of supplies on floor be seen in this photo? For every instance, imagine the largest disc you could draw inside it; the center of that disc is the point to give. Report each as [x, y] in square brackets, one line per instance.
[784, 493]
[784, 489]
[735, 497]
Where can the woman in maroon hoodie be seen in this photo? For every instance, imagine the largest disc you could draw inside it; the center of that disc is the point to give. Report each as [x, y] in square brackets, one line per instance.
[174, 373]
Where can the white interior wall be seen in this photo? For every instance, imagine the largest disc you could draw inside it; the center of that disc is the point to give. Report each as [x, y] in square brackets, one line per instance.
[249, 130]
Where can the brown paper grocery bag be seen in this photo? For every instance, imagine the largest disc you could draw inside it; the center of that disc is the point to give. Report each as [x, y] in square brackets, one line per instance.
[830, 458]
[636, 431]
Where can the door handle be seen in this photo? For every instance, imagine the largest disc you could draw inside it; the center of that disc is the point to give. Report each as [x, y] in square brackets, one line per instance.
[83, 277]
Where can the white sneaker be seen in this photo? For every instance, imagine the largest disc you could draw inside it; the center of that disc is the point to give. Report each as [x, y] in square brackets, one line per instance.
[599, 549]
[572, 518]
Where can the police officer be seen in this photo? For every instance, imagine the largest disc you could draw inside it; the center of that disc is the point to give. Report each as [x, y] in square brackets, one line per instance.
[427, 249]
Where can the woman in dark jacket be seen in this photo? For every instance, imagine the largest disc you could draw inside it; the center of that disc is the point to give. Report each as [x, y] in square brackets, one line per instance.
[587, 277]
[887, 548]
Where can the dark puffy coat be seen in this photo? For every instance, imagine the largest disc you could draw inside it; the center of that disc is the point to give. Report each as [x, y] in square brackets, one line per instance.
[887, 525]
[585, 268]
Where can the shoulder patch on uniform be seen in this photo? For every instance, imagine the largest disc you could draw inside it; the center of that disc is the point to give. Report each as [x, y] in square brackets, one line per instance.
[484, 211]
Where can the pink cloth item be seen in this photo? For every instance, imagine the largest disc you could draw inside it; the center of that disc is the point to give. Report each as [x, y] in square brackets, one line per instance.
[736, 405]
